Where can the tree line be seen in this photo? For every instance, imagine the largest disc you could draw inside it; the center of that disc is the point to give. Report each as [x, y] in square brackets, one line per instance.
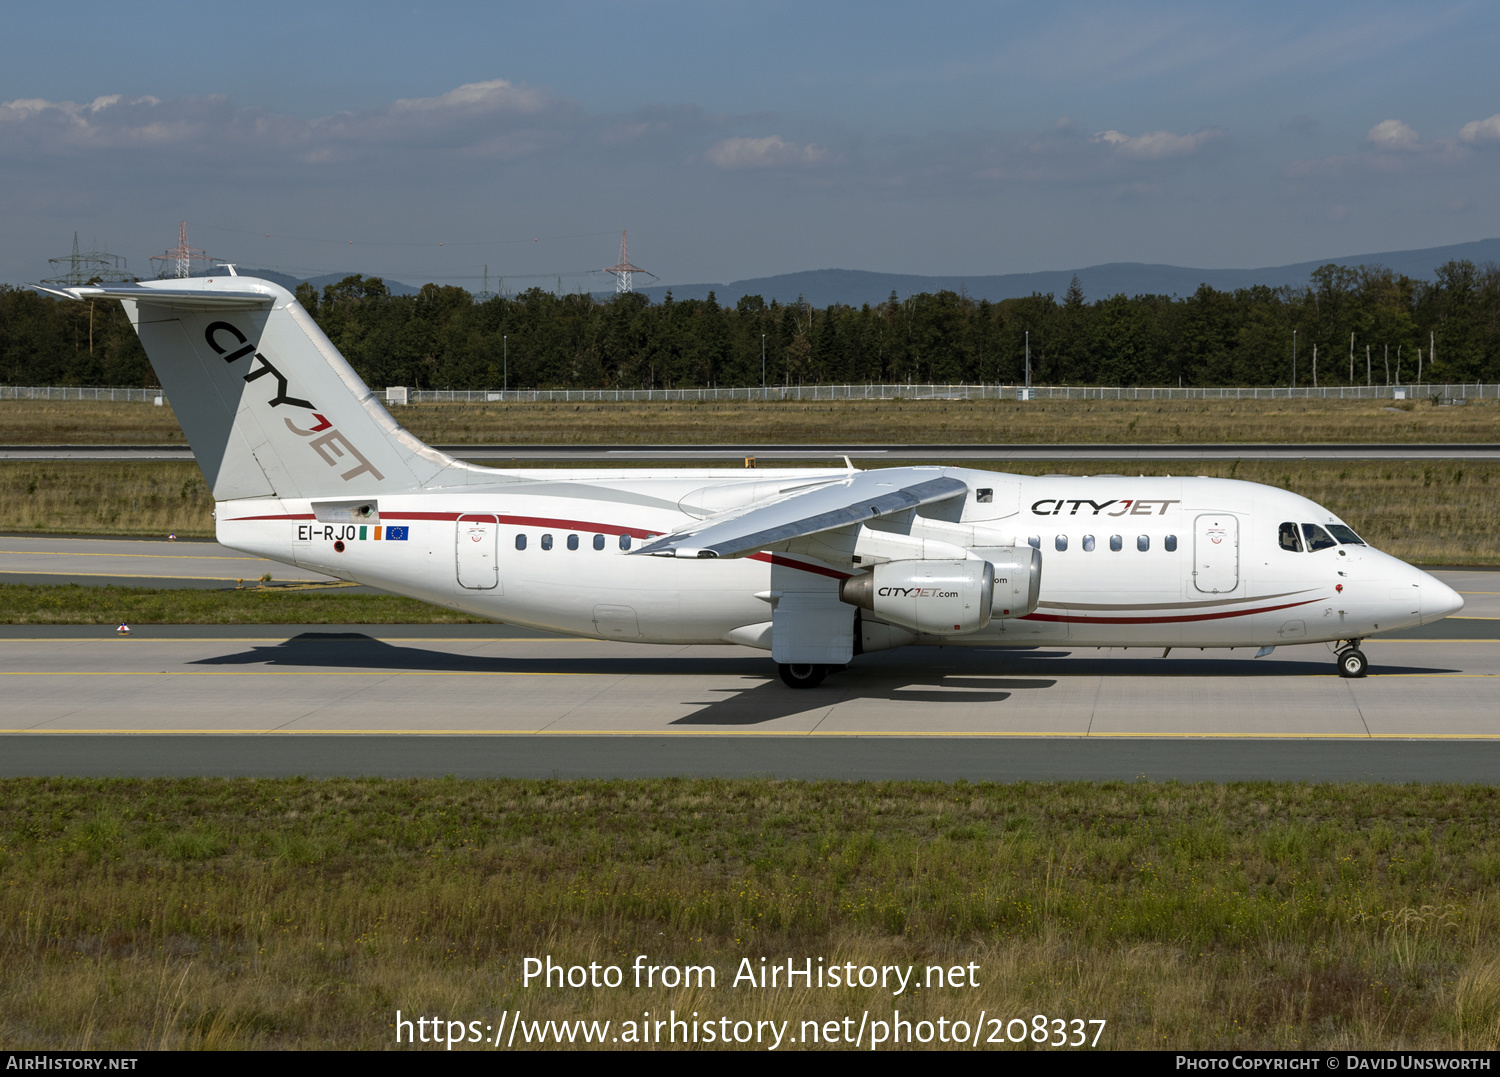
[1348, 325]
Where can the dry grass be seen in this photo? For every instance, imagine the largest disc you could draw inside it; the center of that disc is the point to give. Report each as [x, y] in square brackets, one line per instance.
[851, 422]
[296, 914]
[71, 604]
[1441, 513]
[81, 422]
[106, 498]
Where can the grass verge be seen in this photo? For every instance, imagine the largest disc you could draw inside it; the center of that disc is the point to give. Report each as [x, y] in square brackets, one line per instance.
[100, 497]
[71, 604]
[1425, 512]
[298, 914]
[852, 421]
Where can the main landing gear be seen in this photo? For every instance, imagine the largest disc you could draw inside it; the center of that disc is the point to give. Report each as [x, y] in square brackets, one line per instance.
[803, 675]
[1352, 661]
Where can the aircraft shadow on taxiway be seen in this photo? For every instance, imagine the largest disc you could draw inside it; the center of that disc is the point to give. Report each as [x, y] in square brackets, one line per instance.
[907, 676]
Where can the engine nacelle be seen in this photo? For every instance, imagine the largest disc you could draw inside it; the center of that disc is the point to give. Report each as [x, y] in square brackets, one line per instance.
[941, 598]
[1018, 578]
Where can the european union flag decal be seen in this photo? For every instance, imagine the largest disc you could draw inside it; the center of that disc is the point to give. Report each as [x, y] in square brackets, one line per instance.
[396, 534]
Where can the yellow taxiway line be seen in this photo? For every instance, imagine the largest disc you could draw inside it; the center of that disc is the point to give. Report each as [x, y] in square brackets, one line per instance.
[998, 677]
[1052, 735]
[301, 673]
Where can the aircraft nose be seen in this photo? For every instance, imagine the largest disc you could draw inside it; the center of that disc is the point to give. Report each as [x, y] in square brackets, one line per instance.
[1438, 599]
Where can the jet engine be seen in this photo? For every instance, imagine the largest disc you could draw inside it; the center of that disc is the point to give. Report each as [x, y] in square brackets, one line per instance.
[941, 598]
[1018, 579]
[949, 598]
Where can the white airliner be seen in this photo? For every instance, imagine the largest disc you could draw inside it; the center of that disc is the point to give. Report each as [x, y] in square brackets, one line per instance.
[813, 565]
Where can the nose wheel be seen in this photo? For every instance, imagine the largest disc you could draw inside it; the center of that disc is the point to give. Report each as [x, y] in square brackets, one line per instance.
[802, 675]
[1352, 661]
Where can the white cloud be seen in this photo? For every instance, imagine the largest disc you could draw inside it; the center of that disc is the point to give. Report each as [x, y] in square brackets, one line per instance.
[773, 151]
[30, 107]
[1156, 145]
[493, 119]
[496, 95]
[1481, 130]
[1393, 136]
[111, 120]
[1393, 147]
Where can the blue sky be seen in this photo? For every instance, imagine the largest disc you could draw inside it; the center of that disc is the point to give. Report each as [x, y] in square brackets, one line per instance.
[423, 142]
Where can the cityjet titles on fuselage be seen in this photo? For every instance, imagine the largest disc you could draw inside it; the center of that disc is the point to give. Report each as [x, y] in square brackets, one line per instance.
[1053, 506]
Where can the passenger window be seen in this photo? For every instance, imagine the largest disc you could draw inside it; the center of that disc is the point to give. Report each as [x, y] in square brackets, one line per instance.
[1061, 542]
[546, 542]
[1088, 543]
[1035, 542]
[1344, 535]
[1116, 543]
[1287, 536]
[624, 542]
[1143, 543]
[520, 542]
[598, 542]
[1171, 544]
[572, 542]
[984, 497]
[1317, 538]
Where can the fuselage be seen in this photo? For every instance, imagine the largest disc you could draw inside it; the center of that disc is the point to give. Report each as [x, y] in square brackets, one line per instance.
[1150, 561]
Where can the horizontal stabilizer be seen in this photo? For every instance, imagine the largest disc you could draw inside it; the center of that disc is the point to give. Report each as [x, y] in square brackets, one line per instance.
[268, 404]
[183, 296]
[864, 495]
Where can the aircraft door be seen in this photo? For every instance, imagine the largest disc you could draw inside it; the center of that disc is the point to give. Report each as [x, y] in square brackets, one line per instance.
[1216, 553]
[477, 546]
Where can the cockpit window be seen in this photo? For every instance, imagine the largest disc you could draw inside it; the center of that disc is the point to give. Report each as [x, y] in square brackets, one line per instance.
[1288, 537]
[1345, 535]
[1317, 538]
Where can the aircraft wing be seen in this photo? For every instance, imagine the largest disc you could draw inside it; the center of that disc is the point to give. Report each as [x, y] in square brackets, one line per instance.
[186, 294]
[864, 495]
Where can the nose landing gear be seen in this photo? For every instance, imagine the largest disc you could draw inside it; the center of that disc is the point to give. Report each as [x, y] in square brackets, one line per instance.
[1352, 661]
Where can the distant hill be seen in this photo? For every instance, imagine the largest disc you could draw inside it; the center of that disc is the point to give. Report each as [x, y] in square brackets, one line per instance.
[854, 287]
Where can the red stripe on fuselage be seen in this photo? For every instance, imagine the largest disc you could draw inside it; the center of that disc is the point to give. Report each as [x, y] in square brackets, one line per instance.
[1162, 620]
[564, 525]
[516, 521]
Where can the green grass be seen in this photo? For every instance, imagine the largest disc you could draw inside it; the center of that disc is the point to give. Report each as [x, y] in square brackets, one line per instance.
[77, 605]
[1437, 512]
[296, 914]
[852, 421]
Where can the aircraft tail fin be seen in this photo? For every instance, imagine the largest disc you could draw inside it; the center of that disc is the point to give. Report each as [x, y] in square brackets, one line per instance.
[269, 406]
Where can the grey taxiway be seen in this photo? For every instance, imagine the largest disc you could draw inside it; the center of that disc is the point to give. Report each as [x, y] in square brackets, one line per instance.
[498, 700]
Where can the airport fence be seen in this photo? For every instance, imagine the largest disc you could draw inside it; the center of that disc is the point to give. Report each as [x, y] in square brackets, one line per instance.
[1445, 393]
[1454, 392]
[80, 392]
